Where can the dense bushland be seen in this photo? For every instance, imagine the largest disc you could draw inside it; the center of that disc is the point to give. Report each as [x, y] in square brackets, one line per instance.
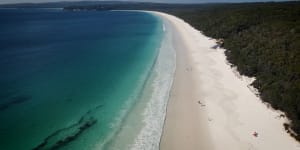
[263, 41]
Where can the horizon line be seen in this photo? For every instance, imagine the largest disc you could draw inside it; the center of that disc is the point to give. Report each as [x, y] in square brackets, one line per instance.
[123, 1]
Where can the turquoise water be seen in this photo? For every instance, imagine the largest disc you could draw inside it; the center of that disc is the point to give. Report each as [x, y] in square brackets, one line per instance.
[69, 79]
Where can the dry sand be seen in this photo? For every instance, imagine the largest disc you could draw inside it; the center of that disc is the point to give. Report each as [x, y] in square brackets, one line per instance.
[228, 113]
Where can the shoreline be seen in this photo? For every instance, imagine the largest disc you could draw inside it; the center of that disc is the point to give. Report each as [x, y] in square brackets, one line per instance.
[210, 107]
[176, 133]
[143, 125]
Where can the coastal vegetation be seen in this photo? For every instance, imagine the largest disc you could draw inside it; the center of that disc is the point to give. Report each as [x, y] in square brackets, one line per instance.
[262, 41]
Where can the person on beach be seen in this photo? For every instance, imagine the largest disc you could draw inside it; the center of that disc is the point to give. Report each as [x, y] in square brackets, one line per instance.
[255, 134]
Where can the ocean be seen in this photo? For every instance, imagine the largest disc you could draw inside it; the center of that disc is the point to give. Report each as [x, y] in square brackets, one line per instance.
[84, 80]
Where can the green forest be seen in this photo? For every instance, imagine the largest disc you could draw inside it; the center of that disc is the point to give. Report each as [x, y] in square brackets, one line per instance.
[263, 41]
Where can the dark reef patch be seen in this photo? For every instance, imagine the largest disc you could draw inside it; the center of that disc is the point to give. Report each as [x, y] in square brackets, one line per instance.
[14, 101]
[68, 134]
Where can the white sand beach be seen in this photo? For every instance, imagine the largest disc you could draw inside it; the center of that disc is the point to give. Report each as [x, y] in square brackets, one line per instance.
[210, 106]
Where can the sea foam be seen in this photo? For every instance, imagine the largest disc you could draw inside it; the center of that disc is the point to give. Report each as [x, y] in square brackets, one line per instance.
[155, 111]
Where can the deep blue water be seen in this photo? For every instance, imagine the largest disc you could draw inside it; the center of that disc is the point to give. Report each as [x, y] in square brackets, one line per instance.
[67, 79]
